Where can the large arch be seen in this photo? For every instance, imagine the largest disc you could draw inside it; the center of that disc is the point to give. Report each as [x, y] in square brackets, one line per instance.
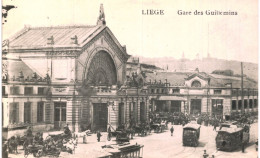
[101, 69]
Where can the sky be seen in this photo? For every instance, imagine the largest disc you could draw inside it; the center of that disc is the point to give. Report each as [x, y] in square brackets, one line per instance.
[231, 37]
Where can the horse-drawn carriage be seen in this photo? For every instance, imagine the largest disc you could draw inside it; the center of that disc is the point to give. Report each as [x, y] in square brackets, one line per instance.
[142, 129]
[122, 137]
[42, 150]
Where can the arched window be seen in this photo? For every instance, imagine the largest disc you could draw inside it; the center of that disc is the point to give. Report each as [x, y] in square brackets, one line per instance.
[196, 84]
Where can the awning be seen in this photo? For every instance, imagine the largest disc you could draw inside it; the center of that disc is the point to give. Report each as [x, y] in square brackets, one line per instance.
[172, 98]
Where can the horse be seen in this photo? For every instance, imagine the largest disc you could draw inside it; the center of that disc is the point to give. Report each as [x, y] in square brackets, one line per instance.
[83, 134]
[12, 145]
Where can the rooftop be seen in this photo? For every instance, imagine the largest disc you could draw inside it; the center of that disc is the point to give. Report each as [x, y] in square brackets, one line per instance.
[62, 36]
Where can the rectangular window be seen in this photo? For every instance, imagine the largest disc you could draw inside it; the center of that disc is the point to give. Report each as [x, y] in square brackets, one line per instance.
[157, 90]
[28, 90]
[40, 107]
[217, 106]
[13, 113]
[27, 112]
[60, 111]
[14, 90]
[234, 104]
[3, 90]
[41, 90]
[239, 104]
[234, 92]
[152, 91]
[176, 91]
[255, 103]
[217, 91]
[245, 104]
[250, 103]
[162, 90]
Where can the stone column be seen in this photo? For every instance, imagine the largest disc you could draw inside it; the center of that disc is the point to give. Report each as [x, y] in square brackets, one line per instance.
[138, 110]
[168, 104]
[147, 110]
[248, 103]
[153, 105]
[48, 112]
[253, 102]
[72, 116]
[182, 106]
[113, 114]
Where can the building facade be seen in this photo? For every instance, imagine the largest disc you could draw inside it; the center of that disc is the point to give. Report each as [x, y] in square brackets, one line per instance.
[82, 76]
[197, 93]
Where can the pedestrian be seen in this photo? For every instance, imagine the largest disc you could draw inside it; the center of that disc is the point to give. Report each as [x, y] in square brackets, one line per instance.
[84, 139]
[205, 155]
[215, 126]
[243, 146]
[98, 136]
[172, 130]
[109, 133]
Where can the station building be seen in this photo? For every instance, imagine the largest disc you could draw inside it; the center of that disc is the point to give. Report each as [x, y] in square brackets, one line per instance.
[82, 76]
[198, 93]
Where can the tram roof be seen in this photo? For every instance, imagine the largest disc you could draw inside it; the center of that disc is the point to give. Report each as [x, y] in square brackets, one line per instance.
[230, 129]
[192, 126]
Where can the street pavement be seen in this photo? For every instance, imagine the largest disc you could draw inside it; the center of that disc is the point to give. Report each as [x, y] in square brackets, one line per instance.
[163, 145]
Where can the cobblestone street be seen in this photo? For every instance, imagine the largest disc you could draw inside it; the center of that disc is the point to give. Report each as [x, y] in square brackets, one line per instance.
[163, 145]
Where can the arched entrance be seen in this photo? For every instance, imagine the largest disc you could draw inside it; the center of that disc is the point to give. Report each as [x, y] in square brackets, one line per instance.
[102, 70]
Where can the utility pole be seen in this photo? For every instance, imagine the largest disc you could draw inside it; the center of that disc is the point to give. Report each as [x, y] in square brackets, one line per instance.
[242, 88]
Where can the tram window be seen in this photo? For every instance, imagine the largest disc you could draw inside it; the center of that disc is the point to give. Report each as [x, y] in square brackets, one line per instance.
[189, 132]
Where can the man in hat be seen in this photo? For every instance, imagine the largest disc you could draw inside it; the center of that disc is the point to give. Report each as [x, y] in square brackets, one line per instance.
[205, 155]
[172, 130]
[98, 136]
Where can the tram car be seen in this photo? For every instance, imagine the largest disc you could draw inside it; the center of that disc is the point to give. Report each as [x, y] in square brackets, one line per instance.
[231, 137]
[191, 135]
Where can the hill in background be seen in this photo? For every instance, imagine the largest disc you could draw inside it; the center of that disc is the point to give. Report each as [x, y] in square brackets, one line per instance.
[204, 65]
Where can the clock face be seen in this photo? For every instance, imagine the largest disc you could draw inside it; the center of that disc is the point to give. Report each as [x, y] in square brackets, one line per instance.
[102, 70]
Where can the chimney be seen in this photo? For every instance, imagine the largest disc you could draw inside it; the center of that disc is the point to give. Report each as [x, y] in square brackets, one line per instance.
[50, 41]
[74, 39]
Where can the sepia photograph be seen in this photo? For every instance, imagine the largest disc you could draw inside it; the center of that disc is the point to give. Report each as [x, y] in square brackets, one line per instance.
[129, 79]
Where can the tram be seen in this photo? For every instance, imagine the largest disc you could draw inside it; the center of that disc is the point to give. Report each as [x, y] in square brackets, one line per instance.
[191, 135]
[231, 137]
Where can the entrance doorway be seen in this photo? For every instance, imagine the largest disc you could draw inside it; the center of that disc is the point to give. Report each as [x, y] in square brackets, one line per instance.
[176, 106]
[60, 114]
[100, 116]
[161, 106]
[195, 107]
